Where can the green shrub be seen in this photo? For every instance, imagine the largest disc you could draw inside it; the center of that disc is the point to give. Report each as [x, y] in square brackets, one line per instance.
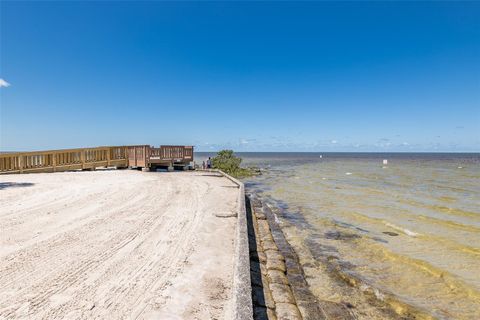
[226, 161]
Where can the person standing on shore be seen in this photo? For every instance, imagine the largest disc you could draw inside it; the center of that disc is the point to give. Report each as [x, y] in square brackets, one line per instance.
[209, 163]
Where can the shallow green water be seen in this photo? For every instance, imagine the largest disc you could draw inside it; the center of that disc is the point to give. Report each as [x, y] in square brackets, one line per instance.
[410, 229]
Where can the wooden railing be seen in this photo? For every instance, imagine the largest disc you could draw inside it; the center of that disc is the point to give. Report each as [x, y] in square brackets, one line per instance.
[91, 158]
[147, 156]
[61, 160]
[172, 153]
[138, 156]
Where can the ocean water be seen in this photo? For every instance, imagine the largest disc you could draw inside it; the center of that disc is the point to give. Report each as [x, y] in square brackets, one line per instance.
[409, 230]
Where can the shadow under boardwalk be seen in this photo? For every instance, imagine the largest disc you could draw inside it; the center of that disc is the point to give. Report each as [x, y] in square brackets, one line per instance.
[5, 185]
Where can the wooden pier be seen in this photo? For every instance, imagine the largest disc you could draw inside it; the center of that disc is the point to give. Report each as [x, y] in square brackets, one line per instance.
[165, 156]
[140, 156]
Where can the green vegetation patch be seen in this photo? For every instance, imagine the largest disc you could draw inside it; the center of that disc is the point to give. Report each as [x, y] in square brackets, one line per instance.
[226, 161]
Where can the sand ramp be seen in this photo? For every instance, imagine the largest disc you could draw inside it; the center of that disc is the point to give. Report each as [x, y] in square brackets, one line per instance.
[116, 244]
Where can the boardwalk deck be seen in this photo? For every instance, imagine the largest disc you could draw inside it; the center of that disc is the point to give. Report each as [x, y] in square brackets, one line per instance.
[150, 157]
[143, 156]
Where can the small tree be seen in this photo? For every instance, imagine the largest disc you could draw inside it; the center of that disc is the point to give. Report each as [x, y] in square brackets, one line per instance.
[226, 161]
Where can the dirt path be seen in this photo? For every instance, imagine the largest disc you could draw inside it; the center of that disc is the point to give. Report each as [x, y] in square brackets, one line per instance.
[116, 244]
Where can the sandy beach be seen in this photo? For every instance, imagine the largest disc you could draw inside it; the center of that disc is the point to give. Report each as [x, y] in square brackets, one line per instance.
[117, 244]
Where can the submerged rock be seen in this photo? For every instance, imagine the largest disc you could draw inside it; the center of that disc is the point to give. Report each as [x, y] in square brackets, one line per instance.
[393, 234]
[338, 235]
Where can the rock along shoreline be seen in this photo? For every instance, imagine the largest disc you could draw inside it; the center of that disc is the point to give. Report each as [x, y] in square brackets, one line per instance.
[279, 286]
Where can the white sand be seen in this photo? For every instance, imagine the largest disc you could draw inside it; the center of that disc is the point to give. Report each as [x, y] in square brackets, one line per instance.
[116, 244]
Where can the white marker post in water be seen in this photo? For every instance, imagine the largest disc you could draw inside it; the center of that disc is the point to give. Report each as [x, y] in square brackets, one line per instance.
[385, 162]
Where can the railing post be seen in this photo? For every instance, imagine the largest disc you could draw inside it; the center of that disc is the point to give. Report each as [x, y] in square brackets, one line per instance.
[20, 163]
[54, 161]
[82, 158]
[108, 156]
[135, 155]
[146, 158]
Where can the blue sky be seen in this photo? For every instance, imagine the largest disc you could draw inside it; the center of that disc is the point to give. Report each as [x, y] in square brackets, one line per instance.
[256, 76]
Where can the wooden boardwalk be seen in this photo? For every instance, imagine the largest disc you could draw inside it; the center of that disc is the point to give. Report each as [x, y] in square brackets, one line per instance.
[141, 156]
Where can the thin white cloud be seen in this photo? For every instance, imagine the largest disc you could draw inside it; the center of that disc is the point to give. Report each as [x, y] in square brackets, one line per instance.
[4, 84]
[334, 141]
[383, 143]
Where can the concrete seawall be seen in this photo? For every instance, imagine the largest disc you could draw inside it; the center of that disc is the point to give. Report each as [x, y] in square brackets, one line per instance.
[242, 289]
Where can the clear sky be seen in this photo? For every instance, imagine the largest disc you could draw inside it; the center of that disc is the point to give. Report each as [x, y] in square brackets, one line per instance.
[325, 76]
